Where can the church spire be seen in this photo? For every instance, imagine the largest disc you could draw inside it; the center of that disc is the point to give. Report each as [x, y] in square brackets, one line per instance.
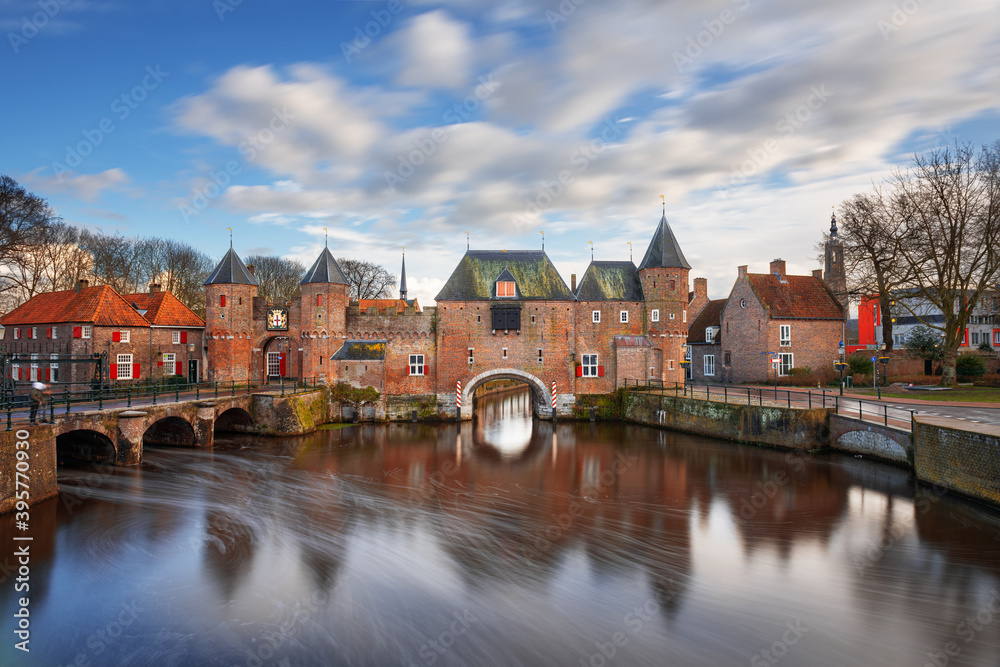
[402, 278]
[833, 224]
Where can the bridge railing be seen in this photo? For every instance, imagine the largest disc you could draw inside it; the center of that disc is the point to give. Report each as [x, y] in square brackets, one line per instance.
[871, 411]
[121, 395]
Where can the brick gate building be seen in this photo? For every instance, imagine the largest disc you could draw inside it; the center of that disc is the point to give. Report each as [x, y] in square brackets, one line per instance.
[501, 314]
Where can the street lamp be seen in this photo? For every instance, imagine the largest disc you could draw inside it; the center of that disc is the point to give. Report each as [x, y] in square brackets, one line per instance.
[880, 359]
[841, 366]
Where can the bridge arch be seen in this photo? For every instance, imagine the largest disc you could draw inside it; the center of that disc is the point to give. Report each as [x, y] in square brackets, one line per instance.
[86, 445]
[172, 430]
[541, 396]
[233, 420]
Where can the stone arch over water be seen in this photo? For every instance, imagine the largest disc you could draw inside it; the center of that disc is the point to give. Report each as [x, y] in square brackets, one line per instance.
[541, 396]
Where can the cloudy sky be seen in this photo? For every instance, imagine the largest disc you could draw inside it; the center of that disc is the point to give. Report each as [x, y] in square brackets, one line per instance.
[409, 123]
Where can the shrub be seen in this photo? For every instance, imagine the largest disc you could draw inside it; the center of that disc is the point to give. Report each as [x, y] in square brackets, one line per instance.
[970, 366]
[859, 362]
[988, 380]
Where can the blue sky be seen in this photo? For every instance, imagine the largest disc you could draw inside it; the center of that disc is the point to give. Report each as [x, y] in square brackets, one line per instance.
[407, 123]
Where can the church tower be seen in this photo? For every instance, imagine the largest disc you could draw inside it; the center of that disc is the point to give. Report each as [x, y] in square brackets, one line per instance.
[834, 271]
[663, 274]
[229, 294]
[325, 297]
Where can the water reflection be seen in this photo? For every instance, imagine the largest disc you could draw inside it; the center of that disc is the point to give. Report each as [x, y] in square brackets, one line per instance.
[425, 544]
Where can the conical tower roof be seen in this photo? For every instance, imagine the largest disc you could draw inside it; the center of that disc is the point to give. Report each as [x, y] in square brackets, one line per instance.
[664, 251]
[324, 270]
[402, 280]
[231, 271]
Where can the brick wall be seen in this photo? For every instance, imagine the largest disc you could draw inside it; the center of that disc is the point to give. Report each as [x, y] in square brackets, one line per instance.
[229, 332]
[947, 453]
[670, 332]
[599, 338]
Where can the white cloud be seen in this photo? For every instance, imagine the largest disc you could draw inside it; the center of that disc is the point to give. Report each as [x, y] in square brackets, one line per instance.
[88, 187]
[435, 51]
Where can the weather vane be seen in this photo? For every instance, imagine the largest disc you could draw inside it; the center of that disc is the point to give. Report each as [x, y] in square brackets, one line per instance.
[630, 251]
[663, 200]
[591, 250]
[230, 236]
[466, 239]
[543, 239]
[326, 238]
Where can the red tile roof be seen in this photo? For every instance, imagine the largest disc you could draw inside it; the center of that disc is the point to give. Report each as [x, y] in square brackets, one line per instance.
[164, 309]
[800, 297]
[710, 316]
[99, 305]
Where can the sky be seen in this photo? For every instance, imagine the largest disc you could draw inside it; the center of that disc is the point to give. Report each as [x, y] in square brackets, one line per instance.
[410, 124]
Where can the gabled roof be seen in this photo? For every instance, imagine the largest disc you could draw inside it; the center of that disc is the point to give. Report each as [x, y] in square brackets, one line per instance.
[664, 250]
[324, 270]
[231, 271]
[710, 316]
[360, 350]
[800, 297]
[532, 270]
[101, 306]
[164, 309]
[610, 281]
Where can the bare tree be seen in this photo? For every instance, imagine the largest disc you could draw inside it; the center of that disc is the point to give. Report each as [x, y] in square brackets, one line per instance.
[24, 217]
[367, 279]
[278, 277]
[944, 216]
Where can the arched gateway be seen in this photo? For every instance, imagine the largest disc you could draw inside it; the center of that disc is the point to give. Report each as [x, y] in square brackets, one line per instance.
[541, 396]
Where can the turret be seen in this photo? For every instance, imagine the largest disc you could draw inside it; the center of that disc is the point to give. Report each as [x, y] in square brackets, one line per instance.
[229, 293]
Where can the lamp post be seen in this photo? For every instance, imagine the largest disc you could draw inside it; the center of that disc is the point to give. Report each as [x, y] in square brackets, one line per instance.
[879, 358]
[841, 366]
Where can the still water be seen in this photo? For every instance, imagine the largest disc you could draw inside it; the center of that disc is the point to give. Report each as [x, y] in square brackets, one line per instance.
[506, 542]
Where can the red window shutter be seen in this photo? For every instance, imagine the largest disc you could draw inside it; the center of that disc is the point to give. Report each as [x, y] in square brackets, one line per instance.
[319, 299]
[177, 369]
[184, 336]
[579, 371]
[159, 363]
[48, 332]
[116, 336]
[113, 374]
[77, 332]
[600, 371]
[48, 374]
[222, 300]
[135, 371]
[281, 364]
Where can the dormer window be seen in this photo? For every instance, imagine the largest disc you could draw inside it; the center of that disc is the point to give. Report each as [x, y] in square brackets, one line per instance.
[506, 288]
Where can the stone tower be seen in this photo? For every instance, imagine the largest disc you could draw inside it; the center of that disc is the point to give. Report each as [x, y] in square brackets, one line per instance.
[229, 294]
[325, 296]
[664, 277]
[834, 272]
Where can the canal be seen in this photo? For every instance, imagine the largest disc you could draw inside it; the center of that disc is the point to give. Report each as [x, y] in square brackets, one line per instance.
[506, 542]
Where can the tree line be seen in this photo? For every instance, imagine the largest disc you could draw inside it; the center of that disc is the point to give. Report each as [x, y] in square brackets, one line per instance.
[39, 252]
[928, 238]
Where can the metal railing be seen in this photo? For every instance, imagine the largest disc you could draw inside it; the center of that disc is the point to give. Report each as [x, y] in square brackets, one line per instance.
[120, 395]
[803, 399]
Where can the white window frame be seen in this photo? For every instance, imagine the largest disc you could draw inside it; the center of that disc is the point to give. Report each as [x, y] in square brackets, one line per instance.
[55, 333]
[53, 369]
[34, 333]
[416, 364]
[33, 369]
[785, 335]
[175, 337]
[654, 315]
[595, 316]
[124, 360]
[786, 364]
[975, 338]
[684, 315]
[86, 331]
[623, 317]
[169, 363]
[504, 353]
[273, 364]
[590, 365]
[709, 363]
[539, 355]
[17, 333]
[710, 333]
[513, 289]
[671, 316]
[472, 356]
[125, 336]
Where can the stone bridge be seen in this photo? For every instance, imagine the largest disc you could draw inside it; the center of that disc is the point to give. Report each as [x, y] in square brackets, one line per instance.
[116, 435]
[870, 439]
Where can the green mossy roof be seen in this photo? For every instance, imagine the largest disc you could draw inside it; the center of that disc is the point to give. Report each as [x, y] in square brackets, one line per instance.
[610, 281]
[475, 277]
[361, 350]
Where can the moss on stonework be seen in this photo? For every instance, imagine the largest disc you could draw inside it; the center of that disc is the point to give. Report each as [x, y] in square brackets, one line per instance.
[345, 392]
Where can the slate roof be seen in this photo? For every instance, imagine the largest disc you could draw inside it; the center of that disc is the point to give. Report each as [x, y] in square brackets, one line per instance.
[710, 316]
[402, 280]
[610, 281]
[164, 309]
[100, 305]
[477, 272]
[664, 250]
[324, 270]
[360, 350]
[799, 297]
[231, 271]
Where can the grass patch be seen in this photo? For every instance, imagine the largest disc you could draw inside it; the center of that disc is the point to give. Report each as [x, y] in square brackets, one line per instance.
[958, 394]
[334, 427]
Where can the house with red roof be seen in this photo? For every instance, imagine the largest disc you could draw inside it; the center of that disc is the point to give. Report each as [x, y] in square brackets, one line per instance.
[52, 336]
[797, 320]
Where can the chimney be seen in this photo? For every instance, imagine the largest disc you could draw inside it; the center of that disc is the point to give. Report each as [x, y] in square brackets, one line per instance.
[701, 287]
[572, 282]
[81, 284]
[250, 269]
[153, 288]
[818, 273]
[742, 271]
[778, 269]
